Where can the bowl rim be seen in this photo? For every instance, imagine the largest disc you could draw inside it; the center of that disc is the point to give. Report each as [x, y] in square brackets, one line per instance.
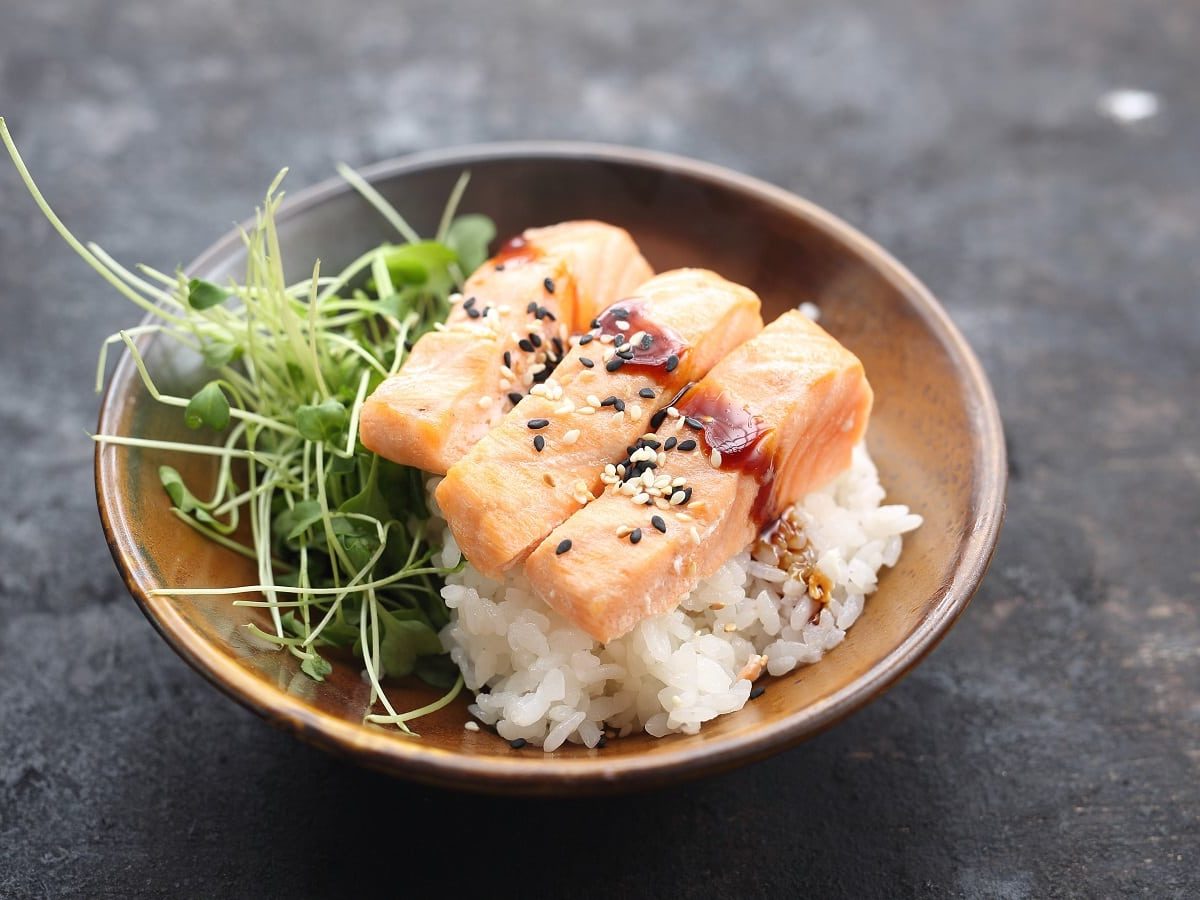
[549, 773]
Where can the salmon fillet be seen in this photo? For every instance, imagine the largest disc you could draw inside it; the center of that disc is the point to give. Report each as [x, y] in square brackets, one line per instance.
[543, 461]
[507, 333]
[782, 414]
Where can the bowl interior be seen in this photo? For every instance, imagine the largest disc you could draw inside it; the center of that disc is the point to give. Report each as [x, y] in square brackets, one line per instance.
[934, 435]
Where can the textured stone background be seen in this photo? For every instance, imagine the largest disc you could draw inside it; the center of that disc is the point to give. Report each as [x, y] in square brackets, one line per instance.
[1051, 746]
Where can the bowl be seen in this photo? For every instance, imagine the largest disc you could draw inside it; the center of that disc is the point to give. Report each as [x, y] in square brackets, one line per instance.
[935, 435]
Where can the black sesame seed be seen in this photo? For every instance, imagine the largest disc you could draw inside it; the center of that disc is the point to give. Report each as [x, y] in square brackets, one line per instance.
[595, 323]
[585, 362]
[474, 313]
[619, 406]
[586, 339]
[625, 354]
[615, 363]
[620, 313]
[539, 443]
[687, 446]
[535, 339]
[499, 267]
[646, 341]
[658, 418]
[671, 442]
[508, 358]
[672, 362]
[519, 742]
[635, 535]
[524, 344]
[532, 308]
[610, 400]
[548, 284]
[563, 547]
[408, 345]
[693, 423]
[687, 494]
[514, 398]
[468, 303]
[535, 424]
[757, 691]
[539, 313]
[652, 444]
[549, 315]
[602, 743]
[558, 345]
[657, 522]
[646, 393]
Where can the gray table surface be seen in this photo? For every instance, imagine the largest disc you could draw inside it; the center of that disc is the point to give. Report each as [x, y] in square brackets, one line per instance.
[1051, 745]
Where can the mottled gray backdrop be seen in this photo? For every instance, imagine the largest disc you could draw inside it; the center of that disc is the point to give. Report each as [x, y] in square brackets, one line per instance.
[1051, 746]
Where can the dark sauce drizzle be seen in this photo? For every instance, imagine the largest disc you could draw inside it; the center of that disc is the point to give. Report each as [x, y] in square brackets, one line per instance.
[740, 437]
[655, 350]
[514, 250]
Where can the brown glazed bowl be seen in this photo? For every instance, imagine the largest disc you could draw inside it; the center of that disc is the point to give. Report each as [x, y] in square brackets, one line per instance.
[935, 435]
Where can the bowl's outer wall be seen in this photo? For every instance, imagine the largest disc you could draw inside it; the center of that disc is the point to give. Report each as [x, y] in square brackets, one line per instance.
[934, 434]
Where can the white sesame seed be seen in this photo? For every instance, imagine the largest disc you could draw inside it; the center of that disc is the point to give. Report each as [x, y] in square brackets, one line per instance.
[678, 482]
[571, 436]
[472, 726]
[538, 390]
[678, 497]
[635, 411]
[593, 400]
[485, 401]
[648, 477]
[619, 416]
[502, 309]
[623, 325]
[621, 469]
[637, 336]
[662, 481]
[695, 535]
[507, 372]
[455, 298]
[715, 459]
[662, 457]
[581, 486]
[566, 408]
[641, 498]
[610, 469]
[585, 410]
[538, 369]
[505, 384]
[527, 379]
[607, 338]
[623, 530]
[516, 338]
[672, 412]
[683, 517]
[609, 354]
[660, 503]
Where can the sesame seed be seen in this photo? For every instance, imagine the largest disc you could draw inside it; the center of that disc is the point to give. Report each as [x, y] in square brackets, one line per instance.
[586, 339]
[613, 364]
[538, 390]
[539, 443]
[646, 393]
[623, 530]
[610, 400]
[678, 482]
[693, 422]
[677, 498]
[757, 691]
[563, 546]
[715, 459]
[558, 345]
[607, 338]
[471, 726]
[468, 303]
[687, 446]
[658, 418]
[672, 362]
[485, 402]
[519, 742]
[532, 307]
[624, 326]
[548, 284]
[514, 398]
[571, 436]
[672, 412]
[646, 341]
[659, 523]
[525, 345]
[636, 337]
[535, 424]
[567, 408]
[635, 535]
[635, 411]
[660, 503]
[535, 339]
[538, 369]
[671, 442]
[474, 313]
[610, 469]
[641, 497]
[619, 406]
[505, 384]
[695, 535]
[609, 354]
[585, 410]
[682, 516]
[625, 353]
[620, 313]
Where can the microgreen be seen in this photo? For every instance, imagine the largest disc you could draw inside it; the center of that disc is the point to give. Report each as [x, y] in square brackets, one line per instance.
[340, 537]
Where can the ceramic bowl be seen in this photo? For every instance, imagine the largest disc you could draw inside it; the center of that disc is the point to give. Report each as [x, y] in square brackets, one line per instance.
[935, 435]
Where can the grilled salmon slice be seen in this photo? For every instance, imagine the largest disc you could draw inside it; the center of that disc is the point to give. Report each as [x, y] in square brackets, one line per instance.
[775, 419]
[507, 333]
[544, 460]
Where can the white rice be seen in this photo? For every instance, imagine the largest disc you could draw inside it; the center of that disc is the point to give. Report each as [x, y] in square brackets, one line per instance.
[549, 682]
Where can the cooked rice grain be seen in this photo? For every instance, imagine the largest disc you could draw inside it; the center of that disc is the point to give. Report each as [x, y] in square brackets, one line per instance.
[550, 683]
